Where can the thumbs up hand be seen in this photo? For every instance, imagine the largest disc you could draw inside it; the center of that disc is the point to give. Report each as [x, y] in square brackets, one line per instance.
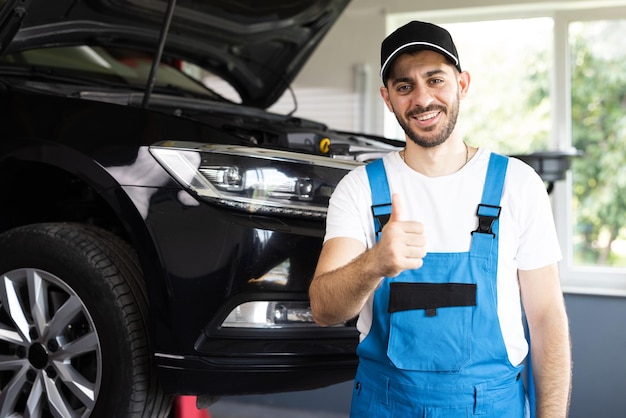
[396, 208]
[401, 246]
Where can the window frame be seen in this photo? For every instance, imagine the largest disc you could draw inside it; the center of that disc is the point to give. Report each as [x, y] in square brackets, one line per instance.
[596, 280]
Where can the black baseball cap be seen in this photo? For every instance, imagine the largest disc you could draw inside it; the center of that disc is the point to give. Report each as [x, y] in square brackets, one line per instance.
[415, 36]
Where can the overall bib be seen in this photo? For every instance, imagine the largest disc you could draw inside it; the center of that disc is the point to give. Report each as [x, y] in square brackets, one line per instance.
[435, 348]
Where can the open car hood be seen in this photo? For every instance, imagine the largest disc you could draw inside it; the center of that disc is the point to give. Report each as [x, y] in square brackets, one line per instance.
[257, 46]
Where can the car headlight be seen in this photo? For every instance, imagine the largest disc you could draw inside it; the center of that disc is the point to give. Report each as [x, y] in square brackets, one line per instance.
[254, 179]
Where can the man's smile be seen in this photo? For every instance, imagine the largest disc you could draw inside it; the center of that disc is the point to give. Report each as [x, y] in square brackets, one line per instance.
[427, 116]
[426, 119]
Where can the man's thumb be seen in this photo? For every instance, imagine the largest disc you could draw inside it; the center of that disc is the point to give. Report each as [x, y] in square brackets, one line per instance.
[396, 208]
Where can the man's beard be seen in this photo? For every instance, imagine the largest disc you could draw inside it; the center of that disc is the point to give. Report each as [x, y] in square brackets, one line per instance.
[438, 139]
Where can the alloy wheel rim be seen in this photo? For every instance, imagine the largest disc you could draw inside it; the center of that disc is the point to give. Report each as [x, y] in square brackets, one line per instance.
[50, 354]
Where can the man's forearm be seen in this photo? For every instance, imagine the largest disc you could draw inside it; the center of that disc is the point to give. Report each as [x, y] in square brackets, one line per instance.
[347, 273]
[338, 295]
[552, 369]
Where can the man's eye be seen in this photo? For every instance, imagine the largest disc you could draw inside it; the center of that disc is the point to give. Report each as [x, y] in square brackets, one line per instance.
[404, 88]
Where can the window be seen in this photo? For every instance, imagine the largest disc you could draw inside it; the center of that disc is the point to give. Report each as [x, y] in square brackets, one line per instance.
[552, 80]
[598, 79]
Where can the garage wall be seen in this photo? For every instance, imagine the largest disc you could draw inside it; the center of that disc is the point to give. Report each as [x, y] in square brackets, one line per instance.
[597, 322]
[350, 48]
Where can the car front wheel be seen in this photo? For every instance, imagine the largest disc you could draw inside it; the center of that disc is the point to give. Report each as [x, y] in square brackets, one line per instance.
[73, 326]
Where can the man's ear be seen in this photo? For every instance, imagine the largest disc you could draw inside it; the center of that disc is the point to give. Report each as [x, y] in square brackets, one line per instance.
[385, 95]
[464, 82]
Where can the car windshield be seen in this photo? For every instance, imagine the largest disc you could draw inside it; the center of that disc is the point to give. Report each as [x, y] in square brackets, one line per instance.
[112, 65]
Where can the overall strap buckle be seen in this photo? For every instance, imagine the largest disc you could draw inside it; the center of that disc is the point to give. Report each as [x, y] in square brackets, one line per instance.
[487, 215]
[381, 213]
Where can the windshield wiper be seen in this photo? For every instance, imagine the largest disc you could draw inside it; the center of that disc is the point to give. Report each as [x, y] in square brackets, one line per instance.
[170, 88]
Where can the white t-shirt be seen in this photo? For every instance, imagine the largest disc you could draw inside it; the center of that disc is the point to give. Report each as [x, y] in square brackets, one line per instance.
[447, 206]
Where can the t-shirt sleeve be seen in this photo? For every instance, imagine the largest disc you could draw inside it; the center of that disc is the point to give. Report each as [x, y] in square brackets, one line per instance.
[348, 208]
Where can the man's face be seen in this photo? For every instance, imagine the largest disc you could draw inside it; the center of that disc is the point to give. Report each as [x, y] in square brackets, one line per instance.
[424, 91]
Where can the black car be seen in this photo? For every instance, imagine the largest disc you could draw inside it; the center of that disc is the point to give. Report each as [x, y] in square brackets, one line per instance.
[156, 238]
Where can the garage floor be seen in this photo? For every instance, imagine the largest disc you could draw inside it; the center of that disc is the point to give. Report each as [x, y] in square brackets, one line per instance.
[328, 402]
[230, 409]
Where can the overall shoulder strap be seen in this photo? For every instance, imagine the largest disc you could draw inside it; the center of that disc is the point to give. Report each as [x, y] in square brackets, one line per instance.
[494, 182]
[488, 210]
[485, 237]
[381, 197]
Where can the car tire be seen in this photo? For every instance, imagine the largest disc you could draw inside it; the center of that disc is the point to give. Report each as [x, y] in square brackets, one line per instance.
[74, 326]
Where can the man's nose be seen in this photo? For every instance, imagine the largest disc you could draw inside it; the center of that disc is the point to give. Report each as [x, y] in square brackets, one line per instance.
[421, 96]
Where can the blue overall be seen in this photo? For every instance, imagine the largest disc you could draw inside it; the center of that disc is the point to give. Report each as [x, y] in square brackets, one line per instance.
[435, 348]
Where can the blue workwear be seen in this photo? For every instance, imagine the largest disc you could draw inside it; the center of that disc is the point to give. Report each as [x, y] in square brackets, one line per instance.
[435, 347]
